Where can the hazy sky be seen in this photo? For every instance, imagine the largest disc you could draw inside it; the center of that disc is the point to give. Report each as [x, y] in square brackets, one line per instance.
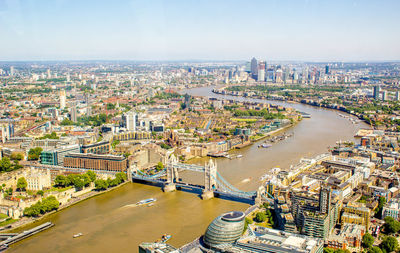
[311, 30]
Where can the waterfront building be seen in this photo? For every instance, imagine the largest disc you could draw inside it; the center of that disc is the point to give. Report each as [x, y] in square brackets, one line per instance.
[154, 247]
[96, 162]
[224, 229]
[56, 156]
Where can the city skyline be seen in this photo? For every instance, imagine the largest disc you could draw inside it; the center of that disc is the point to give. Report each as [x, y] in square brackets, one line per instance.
[309, 31]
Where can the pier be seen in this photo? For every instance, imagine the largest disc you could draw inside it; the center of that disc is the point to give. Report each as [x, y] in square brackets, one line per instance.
[11, 238]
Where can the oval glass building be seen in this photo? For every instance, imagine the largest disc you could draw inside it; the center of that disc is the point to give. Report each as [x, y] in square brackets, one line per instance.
[225, 229]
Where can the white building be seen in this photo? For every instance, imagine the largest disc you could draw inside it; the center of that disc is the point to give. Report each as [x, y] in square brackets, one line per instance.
[38, 179]
[392, 209]
[129, 121]
[63, 99]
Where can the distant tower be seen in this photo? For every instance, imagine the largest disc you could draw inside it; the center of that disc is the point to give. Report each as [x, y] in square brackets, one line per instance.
[12, 71]
[385, 95]
[377, 90]
[74, 113]
[48, 74]
[327, 71]
[63, 99]
[187, 101]
[68, 78]
[324, 199]
[254, 68]
[397, 97]
[129, 120]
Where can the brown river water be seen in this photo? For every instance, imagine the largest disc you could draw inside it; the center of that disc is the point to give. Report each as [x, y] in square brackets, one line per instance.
[111, 223]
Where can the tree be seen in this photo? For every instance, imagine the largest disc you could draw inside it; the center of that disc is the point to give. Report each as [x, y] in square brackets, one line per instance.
[16, 165]
[389, 244]
[159, 166]
[17, 156]
[78, 181]
[5, 164]
[115, 143]
[91, 175]
[66, 122]
[382, 202]
[120, 177]
[367, 240]
[40, 192]
[391, 225]
[22, 184]
[34, 153]
[110, 106]
[61, 181]
[328, 250]
[375, 250]
[100, 184]
[260, 217]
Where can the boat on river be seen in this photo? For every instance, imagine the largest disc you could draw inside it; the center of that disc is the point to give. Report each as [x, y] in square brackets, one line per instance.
[145, 201]
[77, 235]
[264, 145]
[165, 238]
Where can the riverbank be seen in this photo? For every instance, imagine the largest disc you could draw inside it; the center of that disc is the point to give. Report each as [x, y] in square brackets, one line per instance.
[26, 221]
[284, 99]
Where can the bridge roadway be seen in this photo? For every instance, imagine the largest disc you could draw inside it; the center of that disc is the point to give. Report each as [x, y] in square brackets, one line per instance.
[195, 188]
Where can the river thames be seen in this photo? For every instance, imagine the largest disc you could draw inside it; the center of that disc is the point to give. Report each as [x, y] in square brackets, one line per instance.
[111, 223]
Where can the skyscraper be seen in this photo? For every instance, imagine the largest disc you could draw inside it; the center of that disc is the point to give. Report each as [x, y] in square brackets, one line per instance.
[377, 90]
[63, 99]
[129, 121]
[12, 71]
[385, 95]
[261, 75]
[397, 97]
[324, 199]
[254, 68]
[327, 71]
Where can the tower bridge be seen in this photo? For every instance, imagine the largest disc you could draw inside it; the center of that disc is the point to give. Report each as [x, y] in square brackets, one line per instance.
[214, 184]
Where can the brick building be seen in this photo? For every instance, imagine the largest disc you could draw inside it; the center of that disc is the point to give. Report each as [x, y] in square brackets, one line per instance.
[96, 162]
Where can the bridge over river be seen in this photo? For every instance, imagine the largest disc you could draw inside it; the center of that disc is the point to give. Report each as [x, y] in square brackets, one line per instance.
[214, 184]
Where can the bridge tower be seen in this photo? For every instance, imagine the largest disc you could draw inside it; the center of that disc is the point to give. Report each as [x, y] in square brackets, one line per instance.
[172, 174]
[260, 193]
[210, 182]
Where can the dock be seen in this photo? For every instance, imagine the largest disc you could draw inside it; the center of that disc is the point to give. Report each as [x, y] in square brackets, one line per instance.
[13, 238]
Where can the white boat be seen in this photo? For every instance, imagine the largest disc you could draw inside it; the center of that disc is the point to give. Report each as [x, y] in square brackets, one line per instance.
[239, 156]
[151, 204]
[145, 201]
[77, 235]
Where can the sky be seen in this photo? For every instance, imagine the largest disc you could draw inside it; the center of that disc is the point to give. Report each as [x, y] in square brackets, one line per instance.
[277, 30]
